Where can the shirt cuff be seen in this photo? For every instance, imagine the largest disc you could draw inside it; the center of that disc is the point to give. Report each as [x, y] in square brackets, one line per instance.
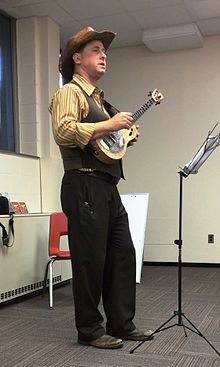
[84, 133]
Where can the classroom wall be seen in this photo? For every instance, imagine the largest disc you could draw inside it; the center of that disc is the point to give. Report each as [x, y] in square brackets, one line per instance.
[170, 133]
[20, 180]
[38, 48]
[170, 136]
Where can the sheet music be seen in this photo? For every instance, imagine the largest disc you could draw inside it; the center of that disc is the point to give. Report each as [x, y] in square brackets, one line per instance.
[204, 152]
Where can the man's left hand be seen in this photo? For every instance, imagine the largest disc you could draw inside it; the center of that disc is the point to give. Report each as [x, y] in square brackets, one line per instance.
[136, 137]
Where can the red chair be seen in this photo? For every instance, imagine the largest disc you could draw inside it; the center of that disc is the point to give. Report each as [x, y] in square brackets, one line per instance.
[58, 228]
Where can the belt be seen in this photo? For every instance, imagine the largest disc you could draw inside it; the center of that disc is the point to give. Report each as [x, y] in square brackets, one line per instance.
[101, 175]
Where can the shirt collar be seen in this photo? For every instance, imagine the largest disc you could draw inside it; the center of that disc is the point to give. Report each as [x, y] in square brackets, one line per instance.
[86, 86]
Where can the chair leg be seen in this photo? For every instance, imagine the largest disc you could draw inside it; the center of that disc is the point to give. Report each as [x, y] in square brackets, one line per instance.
[45, 279]
[51, 282]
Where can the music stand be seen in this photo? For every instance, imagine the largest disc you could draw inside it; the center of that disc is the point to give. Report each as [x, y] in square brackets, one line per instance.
[192, 167]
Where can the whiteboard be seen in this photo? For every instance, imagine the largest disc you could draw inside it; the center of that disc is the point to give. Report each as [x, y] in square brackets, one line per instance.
[136, 206]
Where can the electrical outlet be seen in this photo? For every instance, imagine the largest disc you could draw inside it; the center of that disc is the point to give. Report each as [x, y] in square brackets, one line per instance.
[210, 238]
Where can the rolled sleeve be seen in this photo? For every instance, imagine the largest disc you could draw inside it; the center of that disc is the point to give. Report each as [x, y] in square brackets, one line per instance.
[68, 108]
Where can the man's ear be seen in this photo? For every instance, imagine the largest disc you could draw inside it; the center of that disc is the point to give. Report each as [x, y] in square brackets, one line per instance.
[77, 58]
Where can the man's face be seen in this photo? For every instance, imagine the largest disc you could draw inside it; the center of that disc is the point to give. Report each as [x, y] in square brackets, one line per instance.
[92, 60]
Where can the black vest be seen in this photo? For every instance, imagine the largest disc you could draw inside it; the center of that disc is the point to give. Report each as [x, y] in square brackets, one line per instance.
[76, 158]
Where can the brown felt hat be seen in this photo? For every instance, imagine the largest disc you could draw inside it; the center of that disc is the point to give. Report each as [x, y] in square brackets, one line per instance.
[79, 39]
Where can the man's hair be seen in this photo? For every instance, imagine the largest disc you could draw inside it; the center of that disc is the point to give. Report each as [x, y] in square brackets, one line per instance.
[81, 48]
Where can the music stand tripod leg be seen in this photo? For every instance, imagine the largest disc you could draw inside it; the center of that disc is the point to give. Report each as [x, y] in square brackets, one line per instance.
[179, 312]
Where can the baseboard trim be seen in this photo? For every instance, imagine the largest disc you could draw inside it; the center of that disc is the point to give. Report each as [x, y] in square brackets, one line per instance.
[185, 264]
[35, 293]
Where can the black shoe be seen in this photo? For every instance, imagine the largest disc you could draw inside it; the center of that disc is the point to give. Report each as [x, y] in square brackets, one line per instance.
[104, 342]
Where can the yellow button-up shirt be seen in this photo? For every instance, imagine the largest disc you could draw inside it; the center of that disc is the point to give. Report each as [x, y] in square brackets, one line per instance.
[69, 107]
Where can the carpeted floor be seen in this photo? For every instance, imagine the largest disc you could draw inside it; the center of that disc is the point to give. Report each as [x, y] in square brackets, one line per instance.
[31, 335]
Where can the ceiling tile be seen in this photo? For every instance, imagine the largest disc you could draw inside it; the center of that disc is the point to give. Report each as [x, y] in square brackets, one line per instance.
[11, 3]
[116, 23]
[46, 8]
[162, 17]
[203, 9]
[126, 17]
[123, 40]
[19, 11]
[148, 4]
[96, 8]
[209, 27]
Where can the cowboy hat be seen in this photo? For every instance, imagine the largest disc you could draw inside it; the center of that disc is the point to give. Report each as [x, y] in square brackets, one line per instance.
[79, 39]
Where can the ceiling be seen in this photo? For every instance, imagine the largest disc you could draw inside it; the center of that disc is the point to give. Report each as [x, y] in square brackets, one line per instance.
[160, 24]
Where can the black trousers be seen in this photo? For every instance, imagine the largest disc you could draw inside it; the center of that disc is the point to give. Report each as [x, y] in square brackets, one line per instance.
[102, 254]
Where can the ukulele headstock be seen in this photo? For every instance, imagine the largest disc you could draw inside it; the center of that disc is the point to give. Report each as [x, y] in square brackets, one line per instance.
[156, 95]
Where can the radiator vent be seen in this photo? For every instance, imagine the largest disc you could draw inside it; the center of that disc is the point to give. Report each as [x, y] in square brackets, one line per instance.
[13, 293]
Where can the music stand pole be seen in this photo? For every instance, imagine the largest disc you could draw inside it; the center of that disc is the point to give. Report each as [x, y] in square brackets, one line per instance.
[180, 315]
[179, 242]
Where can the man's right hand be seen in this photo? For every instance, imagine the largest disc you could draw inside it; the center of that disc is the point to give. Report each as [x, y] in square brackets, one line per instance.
[122, 120]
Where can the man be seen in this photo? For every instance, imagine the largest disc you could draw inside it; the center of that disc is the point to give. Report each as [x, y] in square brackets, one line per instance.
[102, 252]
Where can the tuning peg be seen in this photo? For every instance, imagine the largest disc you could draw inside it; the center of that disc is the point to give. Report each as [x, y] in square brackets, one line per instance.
[150, 94]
